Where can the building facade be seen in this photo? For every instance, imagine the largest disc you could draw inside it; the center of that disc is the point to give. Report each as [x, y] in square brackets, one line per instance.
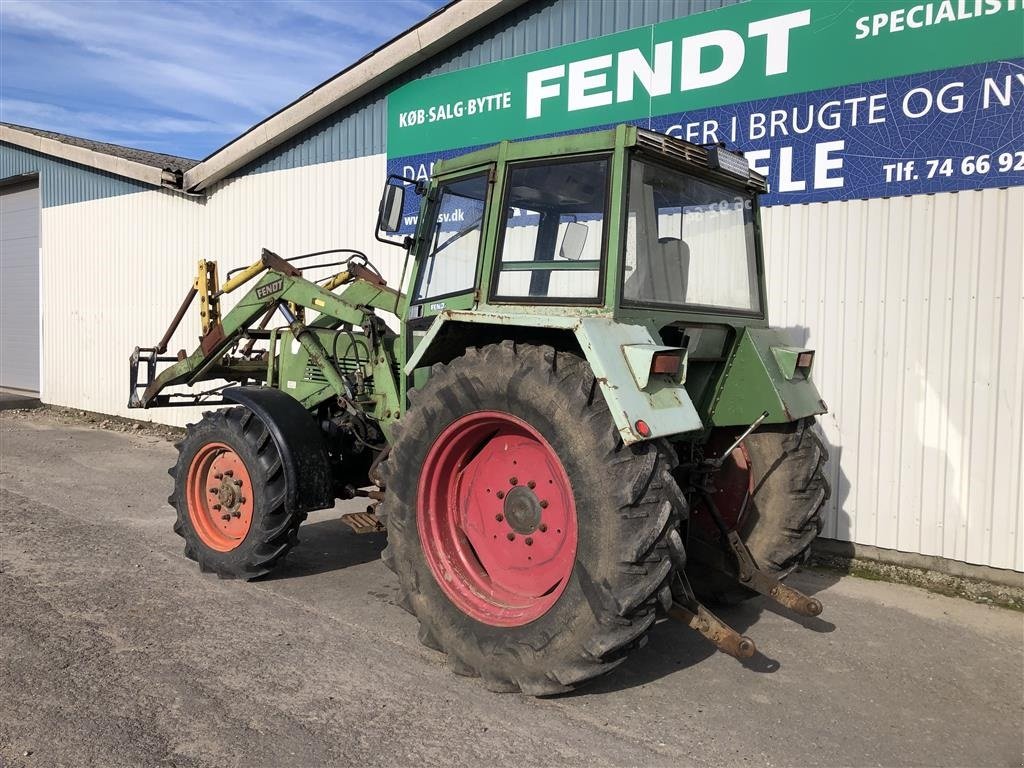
[893, 230]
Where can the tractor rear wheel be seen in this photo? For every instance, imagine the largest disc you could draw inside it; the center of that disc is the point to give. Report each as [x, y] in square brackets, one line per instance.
[531, 544]
[229, 493]
[782, 468]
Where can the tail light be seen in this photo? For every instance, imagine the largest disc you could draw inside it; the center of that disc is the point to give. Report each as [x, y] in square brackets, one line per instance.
[669, 361]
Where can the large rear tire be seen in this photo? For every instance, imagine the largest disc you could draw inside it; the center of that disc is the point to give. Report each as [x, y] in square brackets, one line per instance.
[229, 493]
[531, 544]
[784, 469]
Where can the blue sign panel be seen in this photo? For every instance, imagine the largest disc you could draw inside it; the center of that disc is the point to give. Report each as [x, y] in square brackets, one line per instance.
[945, 131]
[955, 129]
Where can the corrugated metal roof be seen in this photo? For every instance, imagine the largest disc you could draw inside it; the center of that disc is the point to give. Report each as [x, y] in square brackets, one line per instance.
[154, 159]
[537, 26]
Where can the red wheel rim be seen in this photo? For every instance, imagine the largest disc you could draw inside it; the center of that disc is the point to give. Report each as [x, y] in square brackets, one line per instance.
[733, 483]
[219, 496]
[497, 519]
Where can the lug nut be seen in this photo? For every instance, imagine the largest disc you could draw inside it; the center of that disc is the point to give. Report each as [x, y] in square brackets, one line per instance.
[214, 489]
[510, 536]
[544, 504]
[225, 517]
[529, 541]
[218, 476]
[238, 483]
[229, 473]
[236, 513]
[513, 481]
[500, 494]
[241, 499]
[543, 527]
[531, 485]
[499, 517]
[216, 506]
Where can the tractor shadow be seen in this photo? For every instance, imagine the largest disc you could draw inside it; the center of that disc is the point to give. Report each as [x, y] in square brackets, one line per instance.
[328, 545]
[673, 647]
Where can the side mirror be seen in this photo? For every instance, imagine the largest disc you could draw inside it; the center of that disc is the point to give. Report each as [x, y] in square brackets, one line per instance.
[573, 240]
[392, 203]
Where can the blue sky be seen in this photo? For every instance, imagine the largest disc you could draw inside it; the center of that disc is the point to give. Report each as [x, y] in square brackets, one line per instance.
[179, 77]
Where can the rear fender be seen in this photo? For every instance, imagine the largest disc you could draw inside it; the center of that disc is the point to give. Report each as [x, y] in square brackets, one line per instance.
[660, 401]
[298, 439]
[763, 375]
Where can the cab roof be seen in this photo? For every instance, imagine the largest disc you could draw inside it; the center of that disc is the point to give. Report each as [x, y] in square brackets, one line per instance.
[656, 145]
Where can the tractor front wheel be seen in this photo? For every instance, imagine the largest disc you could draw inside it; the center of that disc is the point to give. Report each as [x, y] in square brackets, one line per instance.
[531, 544]
[229, 493]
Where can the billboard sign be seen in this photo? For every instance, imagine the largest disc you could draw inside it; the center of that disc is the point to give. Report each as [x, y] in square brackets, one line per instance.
[832, 101]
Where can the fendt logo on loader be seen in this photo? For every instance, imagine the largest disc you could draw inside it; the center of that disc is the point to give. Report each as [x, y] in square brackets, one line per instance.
[265, 290]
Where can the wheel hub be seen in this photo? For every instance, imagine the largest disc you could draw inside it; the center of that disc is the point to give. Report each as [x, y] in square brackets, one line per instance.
[218, 491]
[497, 518]
[229, 493]
[522, 509]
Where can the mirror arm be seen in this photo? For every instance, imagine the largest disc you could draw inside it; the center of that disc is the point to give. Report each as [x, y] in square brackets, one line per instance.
[419, 186]
[405, 242]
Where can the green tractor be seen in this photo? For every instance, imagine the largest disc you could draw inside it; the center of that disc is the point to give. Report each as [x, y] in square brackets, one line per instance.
[583, 421]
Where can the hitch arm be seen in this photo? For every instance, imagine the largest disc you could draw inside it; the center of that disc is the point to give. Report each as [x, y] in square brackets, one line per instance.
[724, 637]
[753, 577]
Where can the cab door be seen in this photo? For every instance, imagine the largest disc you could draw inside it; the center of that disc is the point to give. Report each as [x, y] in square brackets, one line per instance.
[447, 271]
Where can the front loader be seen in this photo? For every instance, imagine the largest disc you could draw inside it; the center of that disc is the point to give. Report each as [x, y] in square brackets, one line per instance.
[583, 421]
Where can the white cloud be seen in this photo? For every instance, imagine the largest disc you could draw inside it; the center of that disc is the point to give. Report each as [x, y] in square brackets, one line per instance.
[195, 69]
[70, 121]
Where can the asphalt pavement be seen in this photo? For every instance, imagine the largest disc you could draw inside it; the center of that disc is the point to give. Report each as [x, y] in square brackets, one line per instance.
[116, 651]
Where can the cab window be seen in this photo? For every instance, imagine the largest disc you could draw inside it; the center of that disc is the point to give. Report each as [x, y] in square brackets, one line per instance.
[450, 265]
[553, 231]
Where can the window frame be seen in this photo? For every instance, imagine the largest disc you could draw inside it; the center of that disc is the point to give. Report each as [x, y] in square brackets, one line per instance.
[486, 173]
[598, 300]
[694, 309]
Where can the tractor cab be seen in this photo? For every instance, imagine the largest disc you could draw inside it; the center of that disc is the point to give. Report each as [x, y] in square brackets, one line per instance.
[598, 222]
[652, 242]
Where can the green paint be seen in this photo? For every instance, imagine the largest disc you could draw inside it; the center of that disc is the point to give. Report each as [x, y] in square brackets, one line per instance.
[753, 382]
[758, 49]
[786, 358]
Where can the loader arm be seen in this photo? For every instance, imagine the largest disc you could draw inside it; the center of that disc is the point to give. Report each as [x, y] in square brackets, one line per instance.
[280, 287]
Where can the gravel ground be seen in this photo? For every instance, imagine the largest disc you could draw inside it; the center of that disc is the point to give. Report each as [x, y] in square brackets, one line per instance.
[115, 650]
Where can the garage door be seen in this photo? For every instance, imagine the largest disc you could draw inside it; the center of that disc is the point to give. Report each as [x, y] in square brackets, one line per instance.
[19, 287]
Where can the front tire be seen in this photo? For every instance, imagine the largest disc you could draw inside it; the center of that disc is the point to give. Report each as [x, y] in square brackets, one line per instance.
[229, 494]
[540, 617]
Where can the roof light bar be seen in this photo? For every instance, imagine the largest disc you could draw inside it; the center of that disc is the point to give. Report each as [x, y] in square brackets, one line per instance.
[733, 163]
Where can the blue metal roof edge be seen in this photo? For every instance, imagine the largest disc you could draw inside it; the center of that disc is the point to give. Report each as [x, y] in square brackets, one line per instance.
[61, 181]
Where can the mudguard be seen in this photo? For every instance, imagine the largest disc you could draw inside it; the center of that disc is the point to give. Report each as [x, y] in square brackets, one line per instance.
[298, 440]
[762, 375]
[663, 405]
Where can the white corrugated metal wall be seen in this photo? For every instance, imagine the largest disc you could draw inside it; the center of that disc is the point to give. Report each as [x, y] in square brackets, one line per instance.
[115, 269]
[916, 306]
[112, 271]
